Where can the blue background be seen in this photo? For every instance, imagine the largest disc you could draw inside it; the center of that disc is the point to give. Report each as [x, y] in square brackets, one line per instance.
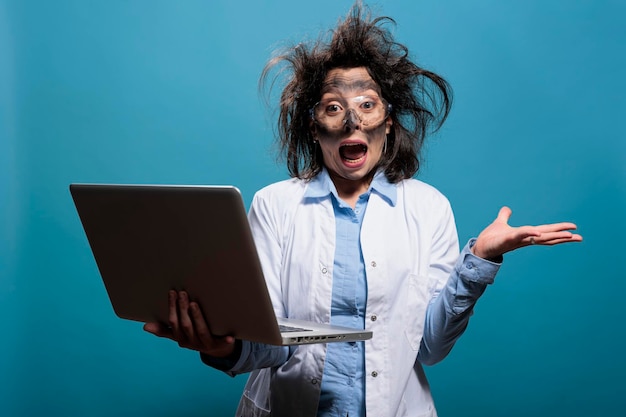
[166, 92]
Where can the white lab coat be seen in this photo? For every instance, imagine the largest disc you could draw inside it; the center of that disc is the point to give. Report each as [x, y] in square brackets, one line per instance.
[410, 251]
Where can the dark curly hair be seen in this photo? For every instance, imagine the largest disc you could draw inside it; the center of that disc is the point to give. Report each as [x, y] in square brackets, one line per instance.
[421, 99]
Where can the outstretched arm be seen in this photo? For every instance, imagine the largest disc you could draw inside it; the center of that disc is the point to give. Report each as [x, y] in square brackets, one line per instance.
[448, 314]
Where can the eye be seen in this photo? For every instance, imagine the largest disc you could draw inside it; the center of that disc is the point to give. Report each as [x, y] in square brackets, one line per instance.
[368, 105]
[333, 109]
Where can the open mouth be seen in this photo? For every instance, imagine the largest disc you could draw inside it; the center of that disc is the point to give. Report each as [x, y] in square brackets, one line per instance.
[352, 152]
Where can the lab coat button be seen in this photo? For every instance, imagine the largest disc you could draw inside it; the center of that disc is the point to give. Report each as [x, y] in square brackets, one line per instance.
[374, 374]
[314, 381]
[373, 264]
[324, 271]
[373, 317]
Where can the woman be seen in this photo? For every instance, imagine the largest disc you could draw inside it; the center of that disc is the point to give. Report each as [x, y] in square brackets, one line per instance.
[353, 240]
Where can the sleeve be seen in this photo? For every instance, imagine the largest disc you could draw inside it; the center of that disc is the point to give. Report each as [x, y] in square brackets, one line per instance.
[266, 232]
[452, 304]
[252, 356]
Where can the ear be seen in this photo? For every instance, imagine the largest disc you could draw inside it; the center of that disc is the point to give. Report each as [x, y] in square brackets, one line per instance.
[388, 123]
[313, 129]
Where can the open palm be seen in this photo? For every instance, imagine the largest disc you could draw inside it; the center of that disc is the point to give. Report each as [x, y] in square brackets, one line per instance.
[499, 238]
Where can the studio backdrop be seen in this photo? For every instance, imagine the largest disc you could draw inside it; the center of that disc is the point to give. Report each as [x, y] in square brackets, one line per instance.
[163, 91]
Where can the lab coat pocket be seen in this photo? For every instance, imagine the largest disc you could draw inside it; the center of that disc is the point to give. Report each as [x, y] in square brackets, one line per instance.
[255, 401]
[417, 299]
[404, 411]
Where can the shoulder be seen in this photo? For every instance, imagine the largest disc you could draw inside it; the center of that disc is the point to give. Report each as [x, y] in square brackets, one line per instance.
[423, 201]
[274, 206]
[414, 189]
[282, 190]
[279, 196]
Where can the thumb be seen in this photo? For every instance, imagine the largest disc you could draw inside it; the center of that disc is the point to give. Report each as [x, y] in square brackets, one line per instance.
[504, 215]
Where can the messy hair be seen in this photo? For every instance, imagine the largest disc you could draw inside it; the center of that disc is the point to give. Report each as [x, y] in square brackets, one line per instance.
[421, 99]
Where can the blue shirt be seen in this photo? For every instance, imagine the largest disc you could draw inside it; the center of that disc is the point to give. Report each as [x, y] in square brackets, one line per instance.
[343, 382]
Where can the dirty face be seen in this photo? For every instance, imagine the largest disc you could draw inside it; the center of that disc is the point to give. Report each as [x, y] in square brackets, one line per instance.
[350, 123]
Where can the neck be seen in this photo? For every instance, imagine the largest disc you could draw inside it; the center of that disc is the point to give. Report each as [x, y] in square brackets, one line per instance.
[350, 190]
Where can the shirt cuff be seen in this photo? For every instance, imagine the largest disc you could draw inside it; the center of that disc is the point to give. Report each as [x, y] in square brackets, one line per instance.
[230, 364]
[474, 269]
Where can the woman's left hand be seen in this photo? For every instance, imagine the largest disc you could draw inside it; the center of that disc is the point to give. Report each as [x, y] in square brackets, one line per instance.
[499, 238]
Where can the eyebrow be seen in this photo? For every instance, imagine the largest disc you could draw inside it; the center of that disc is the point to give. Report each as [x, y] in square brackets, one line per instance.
[340, 84]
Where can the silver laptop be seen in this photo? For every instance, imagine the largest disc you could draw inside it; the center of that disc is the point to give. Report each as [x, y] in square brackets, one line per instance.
[148, 239]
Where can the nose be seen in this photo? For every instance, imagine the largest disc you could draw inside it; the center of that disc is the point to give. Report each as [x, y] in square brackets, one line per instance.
[351, 121]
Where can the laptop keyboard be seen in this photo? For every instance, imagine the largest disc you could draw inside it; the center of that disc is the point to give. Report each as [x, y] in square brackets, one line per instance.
[287, 329]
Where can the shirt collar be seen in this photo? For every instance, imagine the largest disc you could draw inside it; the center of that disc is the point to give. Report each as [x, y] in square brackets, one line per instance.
[321, 186]
[387, 190]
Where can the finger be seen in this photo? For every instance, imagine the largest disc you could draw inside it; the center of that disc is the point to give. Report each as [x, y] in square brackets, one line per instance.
[186, 324]
[213, 345]
[546, 237]
[527, 231]
[558, 240]
[504, 215]
[202, 329]
[524, 235]
[172, 318]
[556, 227]
[158, 329]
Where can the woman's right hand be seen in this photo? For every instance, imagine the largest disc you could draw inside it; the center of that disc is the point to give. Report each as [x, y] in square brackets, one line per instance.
[188, 327]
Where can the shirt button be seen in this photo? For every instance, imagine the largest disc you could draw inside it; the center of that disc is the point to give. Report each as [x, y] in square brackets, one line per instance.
[314, 381]
[469, 265]
[373, 317]
[374, 374]
[373, 264]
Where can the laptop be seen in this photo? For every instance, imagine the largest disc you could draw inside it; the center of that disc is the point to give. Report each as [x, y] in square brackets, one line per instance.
[149, 239]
